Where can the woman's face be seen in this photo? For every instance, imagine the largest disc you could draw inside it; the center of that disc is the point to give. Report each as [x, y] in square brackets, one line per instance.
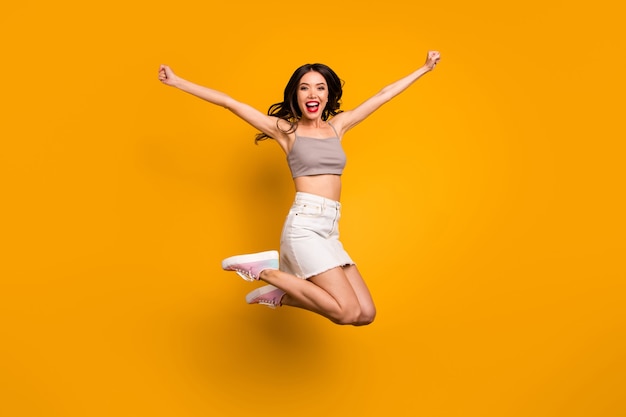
[312, 95]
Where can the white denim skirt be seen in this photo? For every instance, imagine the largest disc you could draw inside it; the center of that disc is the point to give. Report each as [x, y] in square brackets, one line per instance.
[310, 244]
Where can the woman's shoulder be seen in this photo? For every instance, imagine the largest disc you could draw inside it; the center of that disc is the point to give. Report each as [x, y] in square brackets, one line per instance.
[338, 124]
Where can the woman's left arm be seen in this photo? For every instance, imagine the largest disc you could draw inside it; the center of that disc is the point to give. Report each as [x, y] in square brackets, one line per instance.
[350, 118]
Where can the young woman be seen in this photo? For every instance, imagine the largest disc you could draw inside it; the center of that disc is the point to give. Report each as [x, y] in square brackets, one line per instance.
[315, 272]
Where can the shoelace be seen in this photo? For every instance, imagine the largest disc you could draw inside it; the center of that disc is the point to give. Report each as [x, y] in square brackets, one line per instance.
[245, 275]
[269, 303]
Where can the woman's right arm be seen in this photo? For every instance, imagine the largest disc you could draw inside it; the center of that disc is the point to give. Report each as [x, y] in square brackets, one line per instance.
[266, 124]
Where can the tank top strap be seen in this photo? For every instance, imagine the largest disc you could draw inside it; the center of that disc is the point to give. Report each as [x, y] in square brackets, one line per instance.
[334, 130]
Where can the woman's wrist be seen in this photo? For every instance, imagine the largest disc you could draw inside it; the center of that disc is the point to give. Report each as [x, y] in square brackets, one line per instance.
[179, 83]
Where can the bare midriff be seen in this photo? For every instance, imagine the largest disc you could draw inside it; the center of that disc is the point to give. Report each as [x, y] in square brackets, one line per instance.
[327, 185]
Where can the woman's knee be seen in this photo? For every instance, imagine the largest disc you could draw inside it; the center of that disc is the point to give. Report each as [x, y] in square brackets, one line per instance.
[367, 316]
[356, 316]
[347, 315]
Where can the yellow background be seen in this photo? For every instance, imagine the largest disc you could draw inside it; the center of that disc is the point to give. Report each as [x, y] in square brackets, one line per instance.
[484, 207]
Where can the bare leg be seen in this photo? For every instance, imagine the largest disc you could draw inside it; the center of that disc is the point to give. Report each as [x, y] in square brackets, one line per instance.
[339, 294]
[368, 309]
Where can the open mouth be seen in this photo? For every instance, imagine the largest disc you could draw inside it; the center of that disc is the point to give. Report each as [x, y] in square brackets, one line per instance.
[312, 106]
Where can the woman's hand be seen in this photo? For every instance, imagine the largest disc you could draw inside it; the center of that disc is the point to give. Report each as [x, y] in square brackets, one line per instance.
[432, 58]
[167, 76]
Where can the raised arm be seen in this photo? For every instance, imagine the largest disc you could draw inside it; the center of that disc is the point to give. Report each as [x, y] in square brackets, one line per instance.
[266, 124]
[348, 119]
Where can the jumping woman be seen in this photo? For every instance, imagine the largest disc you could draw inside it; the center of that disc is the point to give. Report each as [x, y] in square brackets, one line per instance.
[313, 271]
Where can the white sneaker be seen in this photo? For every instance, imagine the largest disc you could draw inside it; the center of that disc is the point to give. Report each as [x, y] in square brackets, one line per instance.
[249, 267]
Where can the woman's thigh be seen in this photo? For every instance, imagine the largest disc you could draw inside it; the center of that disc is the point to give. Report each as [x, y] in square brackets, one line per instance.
[346, 286]
[360, 288]
[336, 283]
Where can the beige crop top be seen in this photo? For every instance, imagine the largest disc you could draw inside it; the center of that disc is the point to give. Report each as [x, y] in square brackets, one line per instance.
[312, 156]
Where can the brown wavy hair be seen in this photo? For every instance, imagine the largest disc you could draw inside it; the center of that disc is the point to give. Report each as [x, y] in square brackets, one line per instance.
[288, 109]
